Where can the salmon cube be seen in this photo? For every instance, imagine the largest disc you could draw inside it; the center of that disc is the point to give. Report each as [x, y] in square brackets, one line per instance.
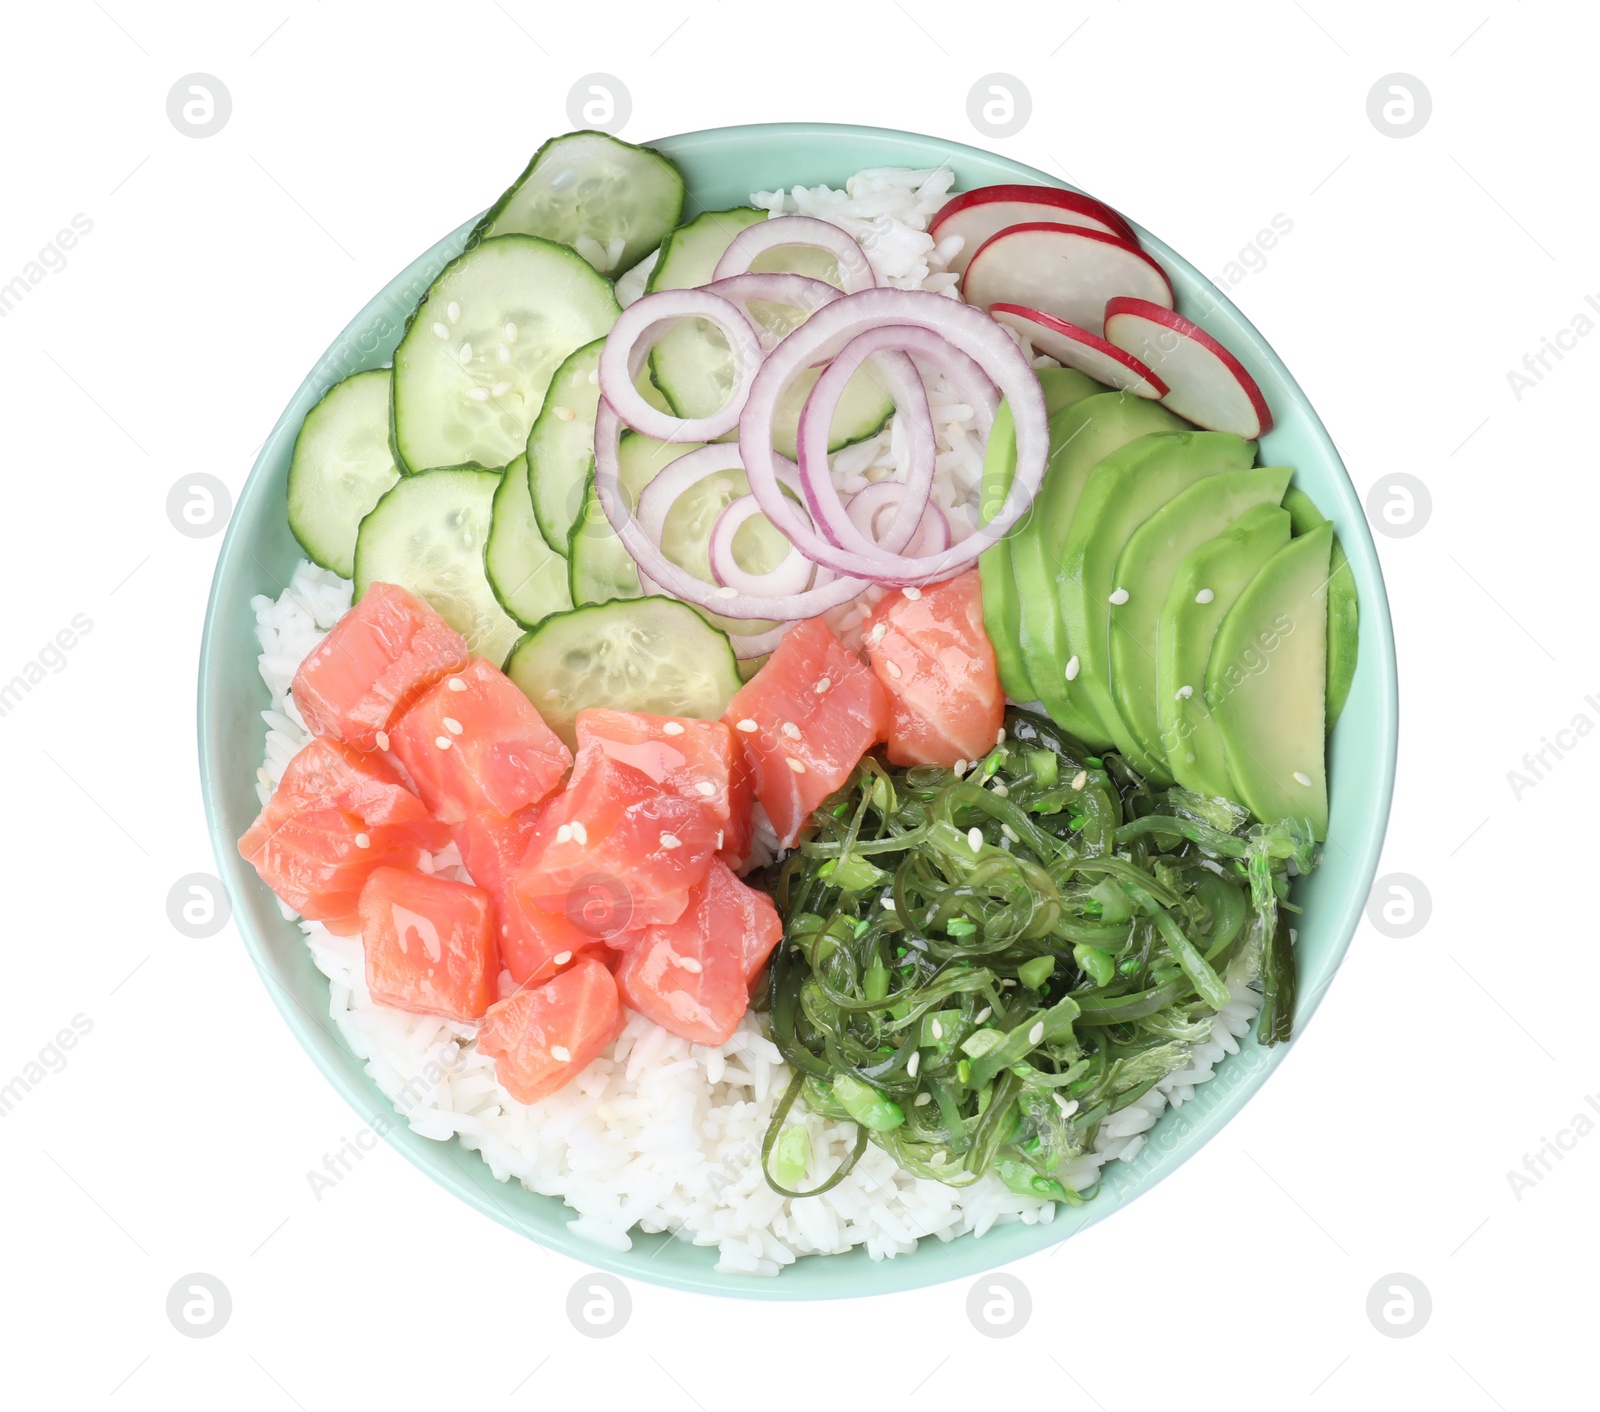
[379, 658]
[429, 944]
[543, 1036]
[473, 742]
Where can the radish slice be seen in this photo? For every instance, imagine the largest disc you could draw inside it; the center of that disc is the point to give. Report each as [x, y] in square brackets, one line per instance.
[977, 215]
[1205, 382]
[635, 333]
[1062, 270]
[855, 272]
[1075, 347]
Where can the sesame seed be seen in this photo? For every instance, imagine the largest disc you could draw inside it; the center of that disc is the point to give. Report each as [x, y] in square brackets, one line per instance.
[452, 725]
[999, 788]
[748, 726]
[561, 1054]
[791, 730]
[363, 841]
[565, 413]
[822, 686]
[1204, 596]
[671, 840]
[452, 311]
[1000, 736]
[877, 635]
[1183, 693]
[500, 389]
[689, 964]
[982, 1015]
[440, 331]
[503, 353]
[893, 669]
[959, 768]
[719, 840]
[798, 766]
[580, 835]
[706, 788]
[913, 1064]
[511, 333]
[562, 957]
[1119, 596]
[672, 728]
[1068, 1106]
[920, 1099]
[1072, 667]
[564, 834]
[465, 353]
[913, 593]
[594, 377]
[1010, 833]
[1036, 1033]
[478, 394]
[975, 839]
[1080, 779]
[1301, 778]
[554, 694]
[442, 741]
[456, 684]
[938, 1030]
[888, 904]
[383, 740]
[727, 591]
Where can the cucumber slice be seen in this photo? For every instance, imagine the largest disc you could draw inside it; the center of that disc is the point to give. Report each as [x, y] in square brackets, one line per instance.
[561, 445]
[427, 534]
[611, 201]
[472, 368]
[341, 466]
[527, 575]
[650, 654]
[599, 569]
[692, 364]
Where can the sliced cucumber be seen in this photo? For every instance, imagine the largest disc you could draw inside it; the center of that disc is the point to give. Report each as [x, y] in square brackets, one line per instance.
[561, 445]
[471, 371]
[427, 534]
[689, 254]
[650, 654]
[527, 575]
[611, 201]
[599, 569]
[341, 466]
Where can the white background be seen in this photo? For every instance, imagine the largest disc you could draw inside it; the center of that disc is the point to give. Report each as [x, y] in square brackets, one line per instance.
[1417, 274]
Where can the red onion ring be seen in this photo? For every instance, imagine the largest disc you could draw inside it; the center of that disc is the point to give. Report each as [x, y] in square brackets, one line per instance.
[795, 291]
[792, 575]
[855, 271]
[867, 506]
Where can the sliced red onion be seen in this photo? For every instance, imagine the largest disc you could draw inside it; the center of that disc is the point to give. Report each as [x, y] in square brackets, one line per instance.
[855, 271]
[867, 507]
[654, 565]
[823, 336]
[636, 332]
[795, 291]
[792, 575]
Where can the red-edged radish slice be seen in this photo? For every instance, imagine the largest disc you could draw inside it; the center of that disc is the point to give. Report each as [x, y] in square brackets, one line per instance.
[1066, 271]
[1075, 347]
[977, 215]
[1205, 382]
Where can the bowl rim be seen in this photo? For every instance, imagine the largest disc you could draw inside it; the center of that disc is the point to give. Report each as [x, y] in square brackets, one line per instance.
[965, 1256]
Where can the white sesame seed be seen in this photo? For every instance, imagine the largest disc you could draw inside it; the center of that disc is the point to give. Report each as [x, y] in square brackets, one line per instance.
[1080, 779]
[671, 840]
[1072, 667]
[706, 788]
[937, 1029]
[580, 835]
[465, 353]
[975, 839]
[893, 669]
[822, 686]
[1010, 833]
[478, 394]
[561, 1054]
[689, 964]
[982, 1015]
[564, 834]
[452, 311]
[1301, 778]
[565, 413]
[672, 728]
[999, 788]
[913, 593]
[913, 1064]
[510, 333]
[888, 904]
[920, 1099]
[959, 768]
[503, 353]
[1183, 693]
[1068, 1106]
[877, 635]
[791, 730]
[554, 694]
[1119, 596]
[456, 684]
[500, 389]
[363, 841]
[1204, 596]
[748, 726]
[594, 377]
[1000, 736]
[442, 741]
[719, 840]
[441, 331]
[452, 725]
[798, 766]
[383, 740]
[1006, 984]
[1036, 1033]
[562, 957]
[727, 591]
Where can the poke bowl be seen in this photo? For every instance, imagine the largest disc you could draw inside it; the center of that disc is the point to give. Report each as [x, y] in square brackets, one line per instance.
[1173, 364]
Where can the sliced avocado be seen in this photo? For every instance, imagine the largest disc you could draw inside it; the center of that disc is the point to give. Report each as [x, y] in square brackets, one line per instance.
[1344, 608]
[1123, 491]
[1149, 562]
[1218, 571]
[1080, 436]
[1267, 685]
[1064, 386]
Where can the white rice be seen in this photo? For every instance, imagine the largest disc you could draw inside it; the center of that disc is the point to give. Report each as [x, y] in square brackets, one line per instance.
[659, 1134]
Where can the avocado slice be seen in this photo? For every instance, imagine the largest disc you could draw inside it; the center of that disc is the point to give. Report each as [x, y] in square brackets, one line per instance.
[1267, 685]
[1064, 386]
[1149, 562]
[1123, 491]
[1344, 609]
[1219, 570]
[1080, 437]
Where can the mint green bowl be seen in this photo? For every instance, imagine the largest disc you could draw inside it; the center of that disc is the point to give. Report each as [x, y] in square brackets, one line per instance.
[723, 167]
